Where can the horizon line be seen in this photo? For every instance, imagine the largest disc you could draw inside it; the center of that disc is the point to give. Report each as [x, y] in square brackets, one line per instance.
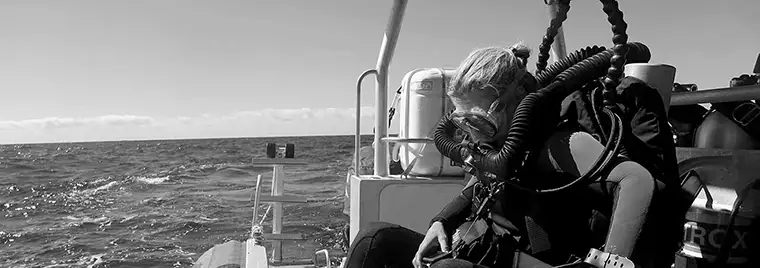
[189, 139]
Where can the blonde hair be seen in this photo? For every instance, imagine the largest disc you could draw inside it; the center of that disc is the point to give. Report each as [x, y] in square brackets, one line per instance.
[497, 67]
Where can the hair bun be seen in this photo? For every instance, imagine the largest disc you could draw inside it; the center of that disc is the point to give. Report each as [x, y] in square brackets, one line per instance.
[522, 52]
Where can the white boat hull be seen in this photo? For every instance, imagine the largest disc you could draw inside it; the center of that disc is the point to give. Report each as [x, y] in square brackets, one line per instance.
[234, 254]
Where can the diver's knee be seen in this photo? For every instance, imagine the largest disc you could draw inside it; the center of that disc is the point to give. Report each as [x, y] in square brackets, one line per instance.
[378, 233]
[375, 228]
[573, 152]
[633, 175]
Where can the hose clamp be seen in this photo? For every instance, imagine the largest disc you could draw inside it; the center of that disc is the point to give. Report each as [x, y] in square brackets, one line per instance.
[469, 165]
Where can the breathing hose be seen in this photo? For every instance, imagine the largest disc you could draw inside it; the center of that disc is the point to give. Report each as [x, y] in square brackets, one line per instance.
[563, 6]
[546, 76]
[538, 112]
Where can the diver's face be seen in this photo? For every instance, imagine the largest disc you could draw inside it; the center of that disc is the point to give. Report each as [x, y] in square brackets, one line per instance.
[483, 114]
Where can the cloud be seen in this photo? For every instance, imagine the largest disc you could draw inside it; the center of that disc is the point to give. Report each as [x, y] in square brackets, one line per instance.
[253, 123]
[276, 115]
[290, 115]
[67, 122]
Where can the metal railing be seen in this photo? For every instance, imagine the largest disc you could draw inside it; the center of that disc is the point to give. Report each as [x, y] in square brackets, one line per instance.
[276, 199]
[387, 48]
[716, 95]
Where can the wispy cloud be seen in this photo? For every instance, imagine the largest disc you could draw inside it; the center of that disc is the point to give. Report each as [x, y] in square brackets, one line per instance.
[253, 123]
[67, 122]
[277, 115]
[289, 115]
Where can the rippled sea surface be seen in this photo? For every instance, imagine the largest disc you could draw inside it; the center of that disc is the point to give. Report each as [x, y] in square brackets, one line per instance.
[158, 203]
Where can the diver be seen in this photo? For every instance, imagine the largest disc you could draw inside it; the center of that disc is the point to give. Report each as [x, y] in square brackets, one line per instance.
[487, 88]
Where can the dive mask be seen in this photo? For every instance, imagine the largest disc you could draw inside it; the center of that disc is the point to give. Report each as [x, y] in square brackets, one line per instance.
[479, 121]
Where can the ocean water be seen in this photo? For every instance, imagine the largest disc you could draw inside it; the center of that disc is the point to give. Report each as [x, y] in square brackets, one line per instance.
[159, 203]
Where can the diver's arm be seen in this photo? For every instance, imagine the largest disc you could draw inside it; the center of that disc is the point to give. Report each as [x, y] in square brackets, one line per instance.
[456, 212]
[652, 145]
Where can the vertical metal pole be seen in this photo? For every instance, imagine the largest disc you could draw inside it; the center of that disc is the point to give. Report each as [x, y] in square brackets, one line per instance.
[358, 136]
[559, 49]
[256, 202]
[381, 93]
[278, 183]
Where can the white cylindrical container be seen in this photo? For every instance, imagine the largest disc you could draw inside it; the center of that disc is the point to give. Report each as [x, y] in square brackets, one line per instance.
[423, 104]
[658, 76]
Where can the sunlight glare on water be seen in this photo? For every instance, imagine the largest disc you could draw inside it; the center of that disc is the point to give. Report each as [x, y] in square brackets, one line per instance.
[157, 203]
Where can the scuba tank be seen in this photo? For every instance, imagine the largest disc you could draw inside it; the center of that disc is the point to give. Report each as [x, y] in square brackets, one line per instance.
[732, 125]
[718, 131]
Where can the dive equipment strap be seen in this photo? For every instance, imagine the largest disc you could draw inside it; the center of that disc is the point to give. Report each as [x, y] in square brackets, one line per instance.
[600, 258]
[392, 109]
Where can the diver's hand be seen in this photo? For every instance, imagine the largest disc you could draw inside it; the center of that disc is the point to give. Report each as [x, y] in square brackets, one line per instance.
[435, 232]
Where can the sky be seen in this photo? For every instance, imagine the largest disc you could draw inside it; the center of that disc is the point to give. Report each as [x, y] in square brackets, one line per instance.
[95, 70]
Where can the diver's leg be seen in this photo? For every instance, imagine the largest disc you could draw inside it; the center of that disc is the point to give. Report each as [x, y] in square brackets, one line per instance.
[383, 245]
[630, 184]
[633, 189]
